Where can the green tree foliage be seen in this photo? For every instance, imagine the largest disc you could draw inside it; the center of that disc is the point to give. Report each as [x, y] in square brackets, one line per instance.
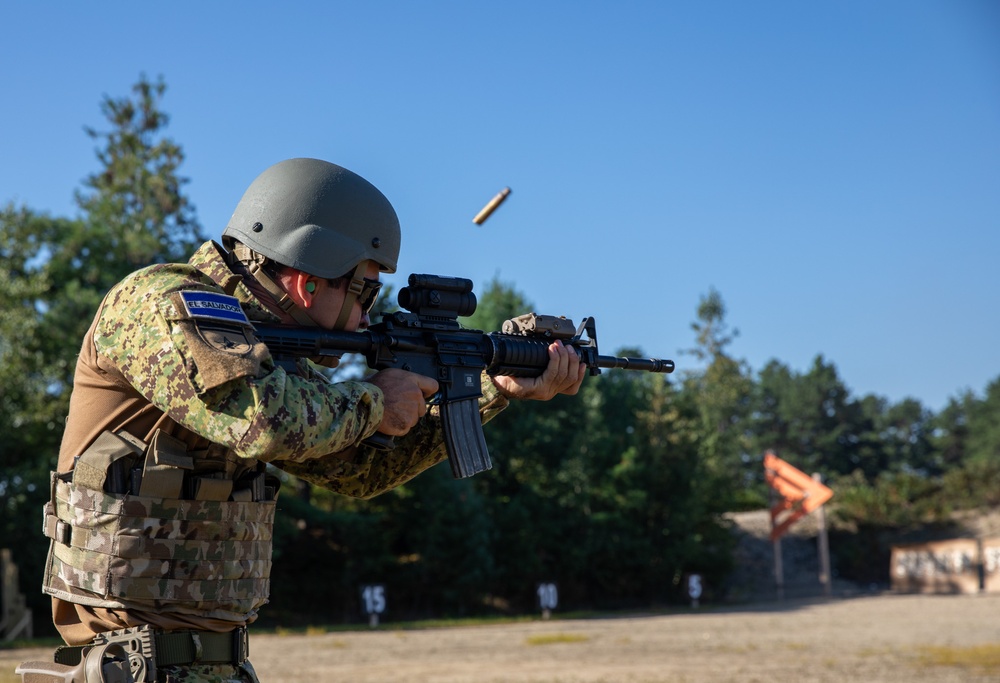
[134, 214]
[137, 197]
[54, 273]
[32, 401]
[497, 301]
[950, 434]
[615, 494]
[617, 470]
[899, 437]
[34, 375]
[974, 485]
[810, 420]
[323, 554]
[984, 425]
[901, 500]
[441, 537]
[966, 439]
[722, 394]
[669, 496]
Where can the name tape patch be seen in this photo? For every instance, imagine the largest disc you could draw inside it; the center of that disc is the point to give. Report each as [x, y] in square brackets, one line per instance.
[212, 306]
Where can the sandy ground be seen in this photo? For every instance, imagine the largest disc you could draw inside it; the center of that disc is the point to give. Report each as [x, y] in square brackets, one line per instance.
[870, 639]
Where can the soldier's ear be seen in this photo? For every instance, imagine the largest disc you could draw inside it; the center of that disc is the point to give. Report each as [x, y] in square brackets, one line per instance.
[302, 289]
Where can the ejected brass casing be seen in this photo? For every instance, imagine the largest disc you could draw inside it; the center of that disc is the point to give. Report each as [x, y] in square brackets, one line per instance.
[491, 207]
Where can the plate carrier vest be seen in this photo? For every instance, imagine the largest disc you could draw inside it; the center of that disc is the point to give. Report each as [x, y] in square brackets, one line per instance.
[134, 527]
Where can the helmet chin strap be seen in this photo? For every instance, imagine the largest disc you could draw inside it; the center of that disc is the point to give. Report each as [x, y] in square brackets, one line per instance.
[354, 290]
[254, 263]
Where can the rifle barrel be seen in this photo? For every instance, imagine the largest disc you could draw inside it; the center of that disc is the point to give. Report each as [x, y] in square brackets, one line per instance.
[646, 364]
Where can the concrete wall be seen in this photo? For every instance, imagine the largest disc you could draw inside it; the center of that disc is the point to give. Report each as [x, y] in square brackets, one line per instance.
[961, 565]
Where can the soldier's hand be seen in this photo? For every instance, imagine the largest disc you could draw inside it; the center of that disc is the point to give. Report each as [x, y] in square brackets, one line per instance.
[406, 395]
[563, 375]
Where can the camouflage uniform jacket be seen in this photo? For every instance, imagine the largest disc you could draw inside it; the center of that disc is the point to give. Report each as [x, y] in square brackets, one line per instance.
[147, 366]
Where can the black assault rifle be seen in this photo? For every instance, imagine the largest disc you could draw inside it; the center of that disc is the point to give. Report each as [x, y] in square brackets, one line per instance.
[429, 341]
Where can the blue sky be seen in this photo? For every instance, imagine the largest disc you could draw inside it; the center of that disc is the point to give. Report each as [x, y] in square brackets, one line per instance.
[831, 168]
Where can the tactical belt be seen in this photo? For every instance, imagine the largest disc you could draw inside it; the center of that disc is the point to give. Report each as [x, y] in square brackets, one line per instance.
[189, 647]
[178, 648]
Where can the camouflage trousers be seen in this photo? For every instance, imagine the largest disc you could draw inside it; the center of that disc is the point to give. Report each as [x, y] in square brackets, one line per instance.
[208, 673]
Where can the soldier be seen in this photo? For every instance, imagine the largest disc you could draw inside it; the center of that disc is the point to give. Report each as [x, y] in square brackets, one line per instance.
[176, 404]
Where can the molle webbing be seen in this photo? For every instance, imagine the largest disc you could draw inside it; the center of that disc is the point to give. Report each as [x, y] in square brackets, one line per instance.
[204, 557]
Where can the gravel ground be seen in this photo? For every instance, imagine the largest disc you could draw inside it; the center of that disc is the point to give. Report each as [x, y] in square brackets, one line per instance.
[885, 638]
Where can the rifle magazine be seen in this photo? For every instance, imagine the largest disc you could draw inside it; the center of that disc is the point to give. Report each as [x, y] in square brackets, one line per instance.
[463, 438]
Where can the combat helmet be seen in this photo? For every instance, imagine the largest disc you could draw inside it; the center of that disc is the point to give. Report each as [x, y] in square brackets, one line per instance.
[316, 217]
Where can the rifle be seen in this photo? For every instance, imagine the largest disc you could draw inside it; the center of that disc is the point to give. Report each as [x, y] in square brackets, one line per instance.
[427, 339]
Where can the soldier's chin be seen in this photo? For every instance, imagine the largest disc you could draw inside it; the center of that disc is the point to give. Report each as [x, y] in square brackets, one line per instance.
[326, 361]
